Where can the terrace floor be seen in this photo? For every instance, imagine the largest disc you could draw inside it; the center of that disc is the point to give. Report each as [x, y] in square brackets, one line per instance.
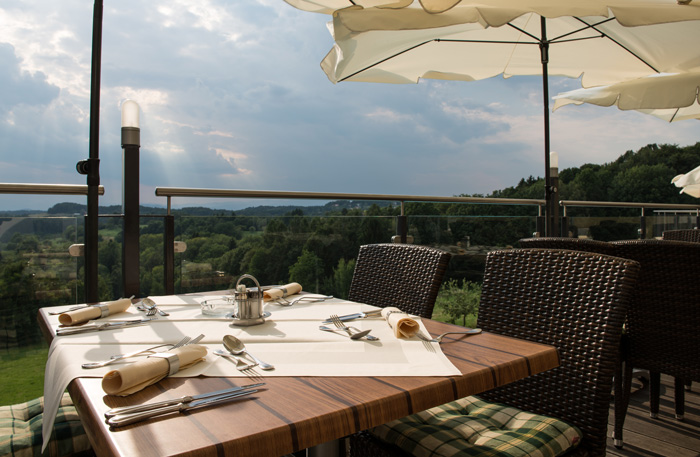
[664, 436]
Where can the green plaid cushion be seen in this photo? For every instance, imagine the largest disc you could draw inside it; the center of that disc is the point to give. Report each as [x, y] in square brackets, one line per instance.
[472, 427]
[20, 431]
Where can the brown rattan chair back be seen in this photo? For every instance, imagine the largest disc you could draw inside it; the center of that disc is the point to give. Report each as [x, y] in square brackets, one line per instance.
[575, 301]
[689, 235]
[403, 275]
[664, 319]
[572, 244]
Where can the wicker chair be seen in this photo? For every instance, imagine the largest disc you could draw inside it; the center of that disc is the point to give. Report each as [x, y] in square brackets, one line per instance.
[571, 299]
[575, 244]
[402, 275]
[689, 235]
[663, 320]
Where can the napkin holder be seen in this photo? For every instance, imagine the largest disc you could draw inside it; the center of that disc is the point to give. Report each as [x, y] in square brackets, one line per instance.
[249, 303]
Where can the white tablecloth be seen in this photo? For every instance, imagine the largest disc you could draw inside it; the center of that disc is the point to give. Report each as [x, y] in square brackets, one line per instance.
[289, 339]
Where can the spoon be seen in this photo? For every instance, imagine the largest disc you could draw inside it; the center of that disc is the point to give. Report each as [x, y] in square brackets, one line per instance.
[151, 305]
[236, 346]
[355, 336]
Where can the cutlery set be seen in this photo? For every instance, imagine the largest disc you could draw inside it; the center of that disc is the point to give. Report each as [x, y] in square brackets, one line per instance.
[236, 347]
[115, 358]
[98, 327]
[126, 415]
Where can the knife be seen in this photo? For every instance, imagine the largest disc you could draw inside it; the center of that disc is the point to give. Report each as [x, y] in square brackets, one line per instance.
[360, 315]
[102, 326]
[125, 419]
[186, 399]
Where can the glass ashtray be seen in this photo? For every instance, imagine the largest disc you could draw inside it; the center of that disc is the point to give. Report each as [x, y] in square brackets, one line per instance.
[219, 306]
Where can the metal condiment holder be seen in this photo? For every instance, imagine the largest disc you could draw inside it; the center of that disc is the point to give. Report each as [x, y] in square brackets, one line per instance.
[249, 302]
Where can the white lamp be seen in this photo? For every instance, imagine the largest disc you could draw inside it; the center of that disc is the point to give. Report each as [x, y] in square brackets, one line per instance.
[131, 133]
[553, 160]
[130, 114]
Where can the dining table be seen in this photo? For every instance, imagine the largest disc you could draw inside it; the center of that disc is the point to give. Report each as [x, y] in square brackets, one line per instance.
[324, 386]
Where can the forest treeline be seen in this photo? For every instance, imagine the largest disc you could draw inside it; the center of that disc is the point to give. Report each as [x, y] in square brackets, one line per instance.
[313, 246]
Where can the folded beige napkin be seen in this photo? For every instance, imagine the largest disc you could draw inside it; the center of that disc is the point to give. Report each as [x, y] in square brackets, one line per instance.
[138, 375]
[400, 322]
[281, 292]
[93, 312]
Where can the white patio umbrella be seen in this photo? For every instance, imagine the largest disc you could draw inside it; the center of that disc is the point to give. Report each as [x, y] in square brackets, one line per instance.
[601, 41]
[671, 97]
[689, 182]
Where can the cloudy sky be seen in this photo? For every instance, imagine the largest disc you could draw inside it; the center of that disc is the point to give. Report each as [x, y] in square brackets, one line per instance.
[232, 97]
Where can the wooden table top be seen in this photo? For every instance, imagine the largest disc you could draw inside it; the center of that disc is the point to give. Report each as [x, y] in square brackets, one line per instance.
[296, 413]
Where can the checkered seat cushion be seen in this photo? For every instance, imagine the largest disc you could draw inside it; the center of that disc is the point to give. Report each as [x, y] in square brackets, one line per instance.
[20, 431]
[472, 427]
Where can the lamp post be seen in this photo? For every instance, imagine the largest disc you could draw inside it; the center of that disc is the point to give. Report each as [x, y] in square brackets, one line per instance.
[131, 142]
[554, 200]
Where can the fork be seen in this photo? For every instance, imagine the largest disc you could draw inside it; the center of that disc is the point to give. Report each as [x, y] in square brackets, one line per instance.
[338, 323]
[304, 298]
[439, 338]
[183, 342]
[240, 363]
[75, 308]
[341, 325]
[91, 365]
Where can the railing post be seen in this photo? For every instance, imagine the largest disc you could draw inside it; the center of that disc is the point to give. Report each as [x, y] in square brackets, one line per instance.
[643, 228]
[564, 222]
[169, 254]
[402, 225]
[554, 203]
[540, 222]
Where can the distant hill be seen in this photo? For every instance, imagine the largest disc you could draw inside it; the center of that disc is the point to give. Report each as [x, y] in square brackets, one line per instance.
[72, 209]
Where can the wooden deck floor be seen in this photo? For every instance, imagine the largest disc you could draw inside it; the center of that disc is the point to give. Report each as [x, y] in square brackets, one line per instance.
[664, 436]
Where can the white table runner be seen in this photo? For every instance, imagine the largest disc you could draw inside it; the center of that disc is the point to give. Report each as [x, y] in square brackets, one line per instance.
[289, 339]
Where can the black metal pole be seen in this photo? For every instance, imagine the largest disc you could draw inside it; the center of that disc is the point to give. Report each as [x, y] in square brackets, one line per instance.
[169, 254]
[93, 162]
[548, 189]
[131, 142]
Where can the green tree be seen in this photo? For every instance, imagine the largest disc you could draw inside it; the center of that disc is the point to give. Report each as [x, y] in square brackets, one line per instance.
[338, 284]
[459, 299]
[307, 271]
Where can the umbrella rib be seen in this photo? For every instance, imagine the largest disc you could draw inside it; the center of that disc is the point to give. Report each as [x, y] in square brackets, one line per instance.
[605, 35]
[587, 26]
[385, 59]
[446, 40]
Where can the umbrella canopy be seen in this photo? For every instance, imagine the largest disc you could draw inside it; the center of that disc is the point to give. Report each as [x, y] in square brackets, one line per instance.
[671, 97]
[689, 182]
[601, 41]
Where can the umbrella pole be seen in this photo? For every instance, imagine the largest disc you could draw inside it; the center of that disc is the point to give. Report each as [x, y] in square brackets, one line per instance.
[550, 224]
[93, 163]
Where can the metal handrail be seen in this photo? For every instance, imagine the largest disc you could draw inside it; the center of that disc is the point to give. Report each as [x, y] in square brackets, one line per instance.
[170, 192]
[567, 203]
[46, 189]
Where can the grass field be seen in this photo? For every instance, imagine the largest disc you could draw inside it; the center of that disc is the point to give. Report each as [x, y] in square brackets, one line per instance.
[22, 373]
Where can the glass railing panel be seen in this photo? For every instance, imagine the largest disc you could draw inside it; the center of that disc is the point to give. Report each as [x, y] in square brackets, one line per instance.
[314, 251]
[605, 228]
[36, 270]
[152, 258]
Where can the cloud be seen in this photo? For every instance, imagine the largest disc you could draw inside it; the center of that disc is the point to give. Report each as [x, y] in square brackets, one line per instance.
[232, 96]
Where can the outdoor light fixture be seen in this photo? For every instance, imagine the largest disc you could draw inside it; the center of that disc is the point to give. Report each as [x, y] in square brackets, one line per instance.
[131, 132]
[554, 160]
